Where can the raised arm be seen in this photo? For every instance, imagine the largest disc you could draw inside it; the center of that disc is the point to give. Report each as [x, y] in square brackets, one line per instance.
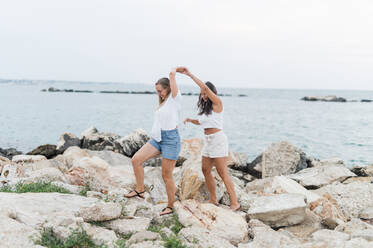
[173, 85]
[210, 94]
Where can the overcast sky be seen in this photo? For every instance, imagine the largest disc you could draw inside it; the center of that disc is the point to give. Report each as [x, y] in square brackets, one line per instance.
[325, 44]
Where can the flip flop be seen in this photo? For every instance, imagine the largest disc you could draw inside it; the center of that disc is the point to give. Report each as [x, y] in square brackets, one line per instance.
[137, 194]
[171, 212]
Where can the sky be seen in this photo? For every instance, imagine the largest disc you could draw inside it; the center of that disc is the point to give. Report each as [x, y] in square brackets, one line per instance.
[305, 44]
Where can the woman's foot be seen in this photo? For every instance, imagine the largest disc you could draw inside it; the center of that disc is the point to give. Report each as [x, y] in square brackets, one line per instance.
[134, 193]
[235, 207]
[167, 210]
[214, 202]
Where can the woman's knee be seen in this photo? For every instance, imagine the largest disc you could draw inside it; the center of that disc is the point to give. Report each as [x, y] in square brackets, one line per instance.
[166, 175]
[206, 170]
[136, 160]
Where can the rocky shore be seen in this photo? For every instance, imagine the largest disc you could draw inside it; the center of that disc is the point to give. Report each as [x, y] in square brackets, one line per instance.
[76, 187]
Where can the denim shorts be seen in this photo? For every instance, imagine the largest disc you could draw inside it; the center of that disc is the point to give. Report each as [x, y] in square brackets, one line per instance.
[169, 146]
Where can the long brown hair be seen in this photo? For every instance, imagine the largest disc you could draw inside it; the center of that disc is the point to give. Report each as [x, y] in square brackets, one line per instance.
[165, 83]
[205, 107]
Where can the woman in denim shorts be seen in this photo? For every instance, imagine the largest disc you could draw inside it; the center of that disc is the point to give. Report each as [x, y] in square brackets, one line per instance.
[215, 149]
[165, 140]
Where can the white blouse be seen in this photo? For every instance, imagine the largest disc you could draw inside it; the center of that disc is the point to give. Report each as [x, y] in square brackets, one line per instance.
[167, 116]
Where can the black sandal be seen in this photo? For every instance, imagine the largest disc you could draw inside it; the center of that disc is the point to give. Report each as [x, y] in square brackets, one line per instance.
[170, 208]
[137, 194]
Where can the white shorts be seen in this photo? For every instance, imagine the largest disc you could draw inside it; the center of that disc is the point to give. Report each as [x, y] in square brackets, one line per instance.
[215, 145]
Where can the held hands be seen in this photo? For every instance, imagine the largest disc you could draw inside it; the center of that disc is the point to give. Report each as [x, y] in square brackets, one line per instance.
[183, 70]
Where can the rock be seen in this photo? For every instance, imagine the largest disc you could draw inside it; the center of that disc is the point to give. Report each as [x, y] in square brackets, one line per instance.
[264, 236]
[100, 236]
[143, 236]
[67, 140]
[280, 159]
[94, 172]
[133, 142]
[28, 158]
[358, 179]
[278, 185]
[313, 178]
[351, 198]
[237, 161]
[112, 158]
[302, 231]
[101, 211]
[366, 213]
[89, 131]
[45, 175]
[327, 208]
[278, 210]
[224, 223]
[192, 184]
[33, 209]
[99, 141]
[49, 151]
[364, 171]
[9, 153]
[203, 238]
[332, 238]
[128, 226]
[324, 98]
[14, 233]
[148, 244]
[72, 154]
[357, 229]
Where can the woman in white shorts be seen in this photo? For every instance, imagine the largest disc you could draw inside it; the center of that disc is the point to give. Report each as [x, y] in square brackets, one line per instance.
[215, 149]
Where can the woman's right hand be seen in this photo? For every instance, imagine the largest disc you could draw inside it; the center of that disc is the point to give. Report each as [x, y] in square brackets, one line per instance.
[187, 120]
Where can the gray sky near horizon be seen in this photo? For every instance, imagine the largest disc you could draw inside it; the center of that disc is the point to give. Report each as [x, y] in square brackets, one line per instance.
[322, 44]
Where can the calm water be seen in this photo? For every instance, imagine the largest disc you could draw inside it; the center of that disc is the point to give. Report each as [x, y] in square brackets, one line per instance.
[29, 117]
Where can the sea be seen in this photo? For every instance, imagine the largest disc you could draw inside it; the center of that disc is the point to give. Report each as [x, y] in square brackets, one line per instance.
[253, 118]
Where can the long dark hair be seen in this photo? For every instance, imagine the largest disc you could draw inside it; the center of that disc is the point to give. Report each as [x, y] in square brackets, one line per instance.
[205, 107]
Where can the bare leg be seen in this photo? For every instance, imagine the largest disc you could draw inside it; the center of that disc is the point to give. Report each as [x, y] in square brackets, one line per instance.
[167, 168]
[221, 167]
[146, 152]
[207, 164]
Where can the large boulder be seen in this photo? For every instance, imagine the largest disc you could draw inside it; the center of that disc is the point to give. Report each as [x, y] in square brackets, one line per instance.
[133, 142]
[33, 209]
[9, 153]
[28, 158]
[222, 222]
[279, 185]
[128, 226]
[49, 151]
[279, 159]
[203, 238]
[265, 236]
[313, 178]
[351, 198]
[98, 141]
[279, 210]
[67, 140]
[101, 211]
